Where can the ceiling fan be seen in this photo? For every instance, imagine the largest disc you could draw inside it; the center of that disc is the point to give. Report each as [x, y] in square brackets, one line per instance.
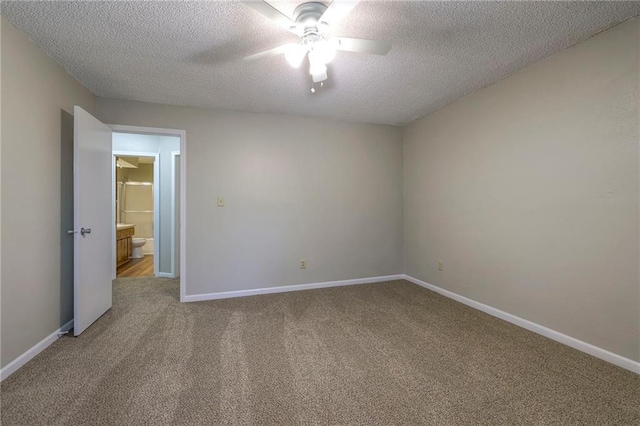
[312, 22]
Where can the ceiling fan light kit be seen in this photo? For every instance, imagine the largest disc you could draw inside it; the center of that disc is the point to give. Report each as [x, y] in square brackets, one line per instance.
[312, 21]
[295, 55]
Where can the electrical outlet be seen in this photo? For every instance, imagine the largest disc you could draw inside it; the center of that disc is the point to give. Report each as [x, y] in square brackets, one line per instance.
[303, 264]
[440, 265]
[220, 201]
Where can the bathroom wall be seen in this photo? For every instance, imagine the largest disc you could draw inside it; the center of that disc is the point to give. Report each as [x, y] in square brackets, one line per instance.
[144, 173]
[163, 146]
[138, 209]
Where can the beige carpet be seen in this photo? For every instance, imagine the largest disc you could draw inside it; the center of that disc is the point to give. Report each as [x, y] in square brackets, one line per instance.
[390, 353]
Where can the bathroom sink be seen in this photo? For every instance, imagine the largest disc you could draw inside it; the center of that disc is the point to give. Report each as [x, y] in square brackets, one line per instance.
[120, 226]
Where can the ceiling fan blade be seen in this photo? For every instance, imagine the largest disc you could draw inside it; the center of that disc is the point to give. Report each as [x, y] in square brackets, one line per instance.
[377, 47]
[272, 13]
[338, 10]
[269, 53]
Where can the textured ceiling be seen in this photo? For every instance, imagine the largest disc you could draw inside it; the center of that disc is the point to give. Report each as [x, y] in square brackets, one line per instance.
[190, 53]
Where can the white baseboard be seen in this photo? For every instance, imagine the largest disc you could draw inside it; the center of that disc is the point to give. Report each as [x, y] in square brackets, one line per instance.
[164, 275]
[298, 287]
[588, 348]
[595, 351]
[14, 365]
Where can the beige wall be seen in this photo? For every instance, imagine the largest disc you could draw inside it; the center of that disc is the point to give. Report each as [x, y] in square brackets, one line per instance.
[144, 173]
[528, 191]
[295, 188]
[37, 199]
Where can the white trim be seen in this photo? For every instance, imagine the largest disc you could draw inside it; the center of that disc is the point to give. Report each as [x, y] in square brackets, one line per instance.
[183, 189]
[173, 213]
[114, 217]
[183, 215]
[287, 288]
[164, 275]
[588, 348]
[141, 130]
[156, 205]
[14, 365]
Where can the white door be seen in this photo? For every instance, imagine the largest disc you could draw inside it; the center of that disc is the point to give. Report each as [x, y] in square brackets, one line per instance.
[92, 218]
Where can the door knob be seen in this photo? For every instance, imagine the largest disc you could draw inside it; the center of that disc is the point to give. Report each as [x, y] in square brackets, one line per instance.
[84, 231]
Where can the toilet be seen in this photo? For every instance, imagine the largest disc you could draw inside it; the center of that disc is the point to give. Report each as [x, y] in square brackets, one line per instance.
[137, 248]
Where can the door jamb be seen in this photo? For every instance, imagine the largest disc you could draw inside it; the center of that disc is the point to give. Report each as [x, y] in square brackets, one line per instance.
[174, 273]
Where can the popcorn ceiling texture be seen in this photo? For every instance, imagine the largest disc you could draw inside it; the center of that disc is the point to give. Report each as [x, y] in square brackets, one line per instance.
[190, 53]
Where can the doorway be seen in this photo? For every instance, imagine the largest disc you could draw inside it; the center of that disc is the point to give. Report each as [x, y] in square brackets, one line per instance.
[137, 213]
[140, 225]
[94, 213]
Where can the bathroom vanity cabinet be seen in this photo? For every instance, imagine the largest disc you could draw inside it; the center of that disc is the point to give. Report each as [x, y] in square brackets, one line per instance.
[124, 243]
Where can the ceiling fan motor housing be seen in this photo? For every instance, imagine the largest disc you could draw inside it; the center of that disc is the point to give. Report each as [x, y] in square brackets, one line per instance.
[308, 11]
[307, 17]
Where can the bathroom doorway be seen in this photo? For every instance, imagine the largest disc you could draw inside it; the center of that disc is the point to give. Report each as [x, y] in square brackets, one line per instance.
[147, 194]
[136, 212]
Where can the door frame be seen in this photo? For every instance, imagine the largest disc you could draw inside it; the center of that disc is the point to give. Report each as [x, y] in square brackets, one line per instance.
[156, 203]
[182, 134]
[174, 273]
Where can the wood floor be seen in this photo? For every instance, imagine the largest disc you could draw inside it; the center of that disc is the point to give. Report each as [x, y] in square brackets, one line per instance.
[137, 268]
